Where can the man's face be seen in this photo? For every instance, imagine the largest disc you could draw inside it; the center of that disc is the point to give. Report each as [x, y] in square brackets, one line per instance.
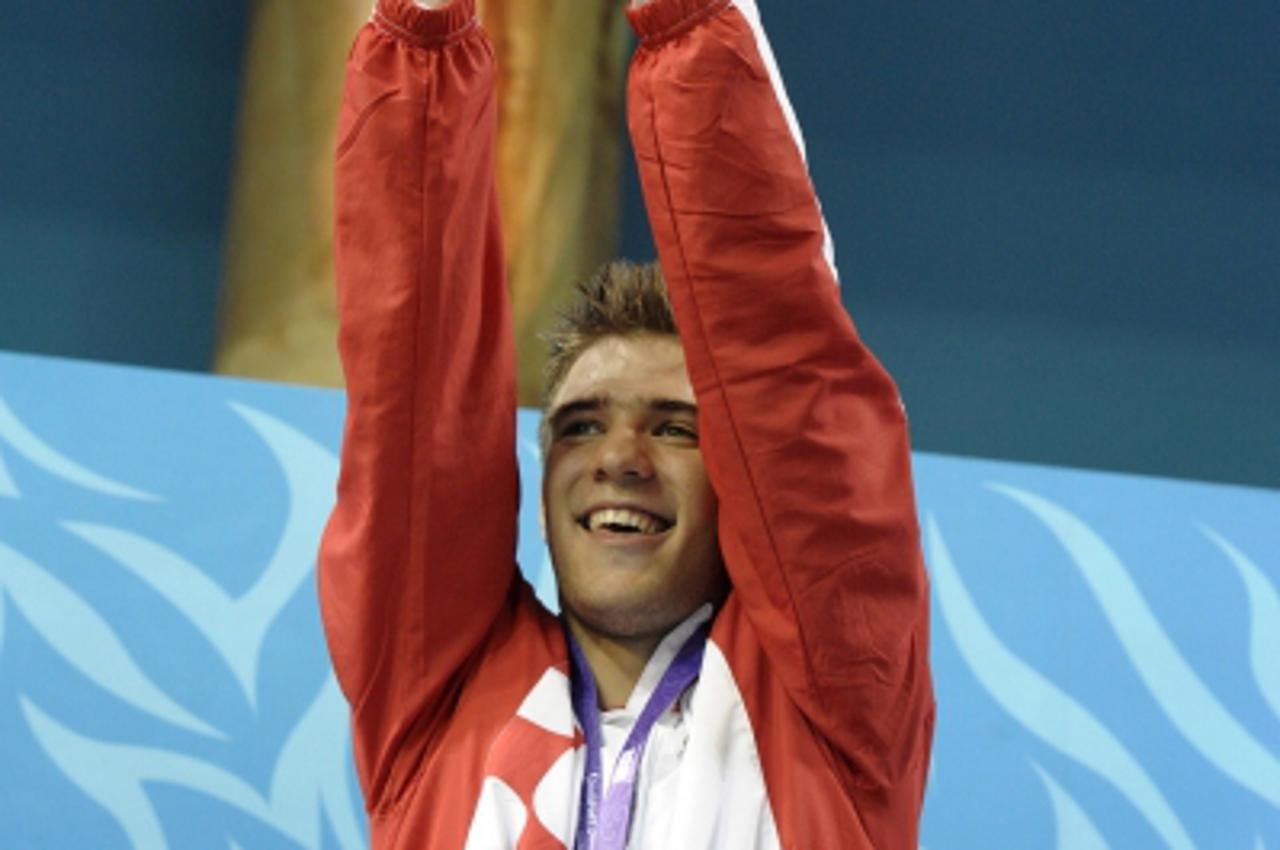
[630, 515]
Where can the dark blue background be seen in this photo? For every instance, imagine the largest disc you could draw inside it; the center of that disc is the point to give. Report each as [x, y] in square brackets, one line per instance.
[115, 164]
[1060, 228]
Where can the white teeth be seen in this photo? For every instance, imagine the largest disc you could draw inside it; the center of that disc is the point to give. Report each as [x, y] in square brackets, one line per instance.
[619, 518]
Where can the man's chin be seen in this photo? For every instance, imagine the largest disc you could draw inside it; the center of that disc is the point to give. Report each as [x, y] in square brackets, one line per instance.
[620, 616]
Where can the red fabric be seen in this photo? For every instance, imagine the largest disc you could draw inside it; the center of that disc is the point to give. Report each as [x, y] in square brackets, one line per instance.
[803, 432]
[435, 639]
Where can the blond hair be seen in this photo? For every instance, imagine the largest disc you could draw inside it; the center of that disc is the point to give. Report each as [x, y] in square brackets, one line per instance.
[620, 299]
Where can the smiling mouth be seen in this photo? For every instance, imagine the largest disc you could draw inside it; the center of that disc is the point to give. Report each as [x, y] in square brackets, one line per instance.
[624, 521]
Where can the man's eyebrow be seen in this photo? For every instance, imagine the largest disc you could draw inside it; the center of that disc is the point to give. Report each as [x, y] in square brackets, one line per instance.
[671, 405]
[594, 404]
[591, 404]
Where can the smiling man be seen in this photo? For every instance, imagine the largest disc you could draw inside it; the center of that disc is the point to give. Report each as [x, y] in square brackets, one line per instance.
[742, 657]
[629, 511]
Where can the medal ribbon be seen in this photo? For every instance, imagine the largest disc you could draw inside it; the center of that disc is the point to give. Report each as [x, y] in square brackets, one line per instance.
[604, 817]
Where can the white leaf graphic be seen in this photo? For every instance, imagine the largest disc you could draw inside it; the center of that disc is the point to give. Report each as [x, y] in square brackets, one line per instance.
[1183, 697]
[543, 578]
[309, 780]
[81, 636]
[1075, 831]
[237, 627]
[41, 454]
[1264, 619]
[189, 589]
[8, 487]
[311, 773]
[1041, 706]
[113, 776]
[530, 449]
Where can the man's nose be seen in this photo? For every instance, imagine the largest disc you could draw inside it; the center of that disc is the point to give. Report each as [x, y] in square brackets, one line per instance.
[623, 458]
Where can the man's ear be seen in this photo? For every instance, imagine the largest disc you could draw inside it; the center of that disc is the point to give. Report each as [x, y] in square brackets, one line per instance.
[542, 516]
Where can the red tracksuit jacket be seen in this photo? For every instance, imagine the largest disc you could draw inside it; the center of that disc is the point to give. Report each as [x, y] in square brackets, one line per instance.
[812, 720]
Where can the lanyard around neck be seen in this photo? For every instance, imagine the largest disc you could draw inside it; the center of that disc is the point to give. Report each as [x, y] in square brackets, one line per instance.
[604, 818]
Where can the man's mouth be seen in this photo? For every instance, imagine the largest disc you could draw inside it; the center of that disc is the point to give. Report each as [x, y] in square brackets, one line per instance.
[624, 521]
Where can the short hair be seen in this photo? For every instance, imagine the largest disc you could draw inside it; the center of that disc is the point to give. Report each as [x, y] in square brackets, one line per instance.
[620, 299]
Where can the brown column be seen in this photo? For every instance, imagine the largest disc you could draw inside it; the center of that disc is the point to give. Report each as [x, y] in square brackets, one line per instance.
[278, 316]
[558, 158]
[559, 152]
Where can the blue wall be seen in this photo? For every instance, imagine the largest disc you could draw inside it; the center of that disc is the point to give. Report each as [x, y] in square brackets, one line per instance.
[1103, 646]
[1058, 228]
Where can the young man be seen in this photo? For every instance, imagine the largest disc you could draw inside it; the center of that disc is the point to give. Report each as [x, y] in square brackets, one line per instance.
[742, 661]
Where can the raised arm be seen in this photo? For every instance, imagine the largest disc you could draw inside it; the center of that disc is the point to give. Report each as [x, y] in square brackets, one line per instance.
[803, 432]
[418, 556]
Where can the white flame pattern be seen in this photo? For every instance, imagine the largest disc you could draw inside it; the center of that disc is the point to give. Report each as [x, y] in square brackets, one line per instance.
[1061, 721]
[310, 785]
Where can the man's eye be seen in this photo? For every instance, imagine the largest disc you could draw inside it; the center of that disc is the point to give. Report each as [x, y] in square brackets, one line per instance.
[678, 430]
[580, 428]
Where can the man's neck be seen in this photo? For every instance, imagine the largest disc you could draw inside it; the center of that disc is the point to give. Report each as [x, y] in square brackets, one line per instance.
[615, 662]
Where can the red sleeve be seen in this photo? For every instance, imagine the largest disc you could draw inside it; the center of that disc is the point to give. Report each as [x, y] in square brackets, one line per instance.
[418, 556]
[803, 431]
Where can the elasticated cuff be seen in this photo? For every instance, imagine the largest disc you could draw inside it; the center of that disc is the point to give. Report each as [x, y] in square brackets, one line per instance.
[665, 19]
[426, 27]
